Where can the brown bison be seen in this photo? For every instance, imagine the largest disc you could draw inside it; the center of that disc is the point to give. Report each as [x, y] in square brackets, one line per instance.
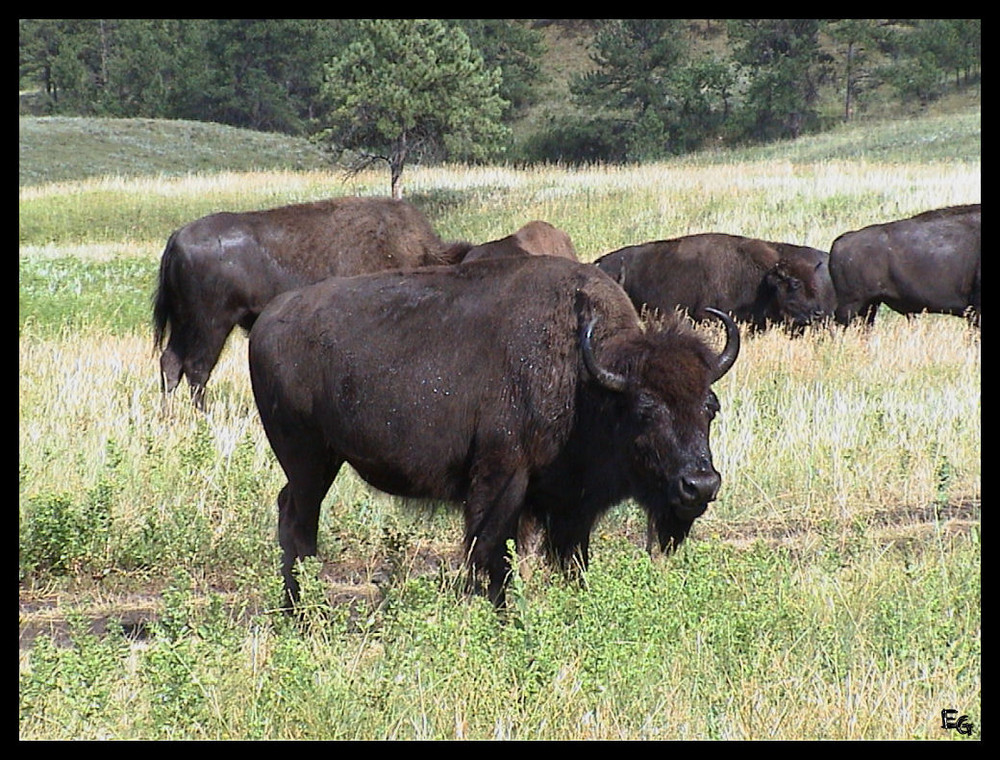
[535, 238]
[446, 383]
[221, 270]
[757, 281]
[928, 262]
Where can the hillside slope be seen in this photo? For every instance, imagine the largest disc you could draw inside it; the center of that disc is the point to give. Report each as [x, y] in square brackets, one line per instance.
[66, 148]
[61, 149]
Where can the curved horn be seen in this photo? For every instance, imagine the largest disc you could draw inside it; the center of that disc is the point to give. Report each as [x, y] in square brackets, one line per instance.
[732, 348]
[605, 377]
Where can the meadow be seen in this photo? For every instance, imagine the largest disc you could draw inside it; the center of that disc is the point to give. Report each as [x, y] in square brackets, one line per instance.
[832, 591]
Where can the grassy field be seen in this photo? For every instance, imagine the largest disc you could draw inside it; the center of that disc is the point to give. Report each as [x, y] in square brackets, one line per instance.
[832, 592]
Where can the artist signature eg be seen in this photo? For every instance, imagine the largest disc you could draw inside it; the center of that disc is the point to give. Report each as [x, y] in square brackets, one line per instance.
[962, 724]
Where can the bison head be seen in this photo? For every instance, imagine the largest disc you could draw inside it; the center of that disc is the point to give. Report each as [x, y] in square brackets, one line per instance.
[664, 383]
[795, 296]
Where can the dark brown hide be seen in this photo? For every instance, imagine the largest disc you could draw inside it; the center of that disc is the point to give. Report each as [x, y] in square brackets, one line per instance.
[757, 281]
[929, 262]
[221, 270]
[447, 383]
[535, 238]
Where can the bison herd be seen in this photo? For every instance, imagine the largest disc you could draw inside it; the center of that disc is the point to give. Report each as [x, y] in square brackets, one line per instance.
[509, 376]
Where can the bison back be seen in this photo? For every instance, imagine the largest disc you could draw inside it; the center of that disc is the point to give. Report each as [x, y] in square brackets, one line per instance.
[931, 261]
[345, 236]
[536, 238]
[689, 273]
[404, 375]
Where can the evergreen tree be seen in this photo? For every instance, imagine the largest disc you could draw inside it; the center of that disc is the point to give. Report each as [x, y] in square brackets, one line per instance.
[140, 68]
[781, 60]
[60, 54]
[927, 52]
[259, 73]
[514, 48]
[637, 61]
[666, 100]
[857, 43]
[706, 90]
[405, 88]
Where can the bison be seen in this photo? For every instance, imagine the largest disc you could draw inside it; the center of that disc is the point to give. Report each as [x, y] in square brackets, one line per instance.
[756, 281]
[222, 270]
[535, 238]
[928, 262]
[447, 383]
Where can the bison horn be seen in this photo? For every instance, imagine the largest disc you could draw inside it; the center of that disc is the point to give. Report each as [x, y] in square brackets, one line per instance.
[732, 348]
[604, 376]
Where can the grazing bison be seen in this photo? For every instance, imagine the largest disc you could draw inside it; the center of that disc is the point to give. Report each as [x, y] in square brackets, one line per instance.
[929, 262]
[447, 383]
[535, 238]
[222, 270]
[756, 281]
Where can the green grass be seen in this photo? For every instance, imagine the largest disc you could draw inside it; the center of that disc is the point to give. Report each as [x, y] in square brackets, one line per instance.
[942, 137]
[832, 592]
[65, 149]
[62, 293]
[718, 643]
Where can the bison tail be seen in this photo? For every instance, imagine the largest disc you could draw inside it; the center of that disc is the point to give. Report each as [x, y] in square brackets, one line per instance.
[163, 298]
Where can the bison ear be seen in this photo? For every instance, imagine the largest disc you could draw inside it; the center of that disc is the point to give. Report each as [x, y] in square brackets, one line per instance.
[621, 275]
[780, 277]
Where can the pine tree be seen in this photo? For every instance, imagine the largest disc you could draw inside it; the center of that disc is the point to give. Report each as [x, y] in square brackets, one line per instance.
[408, 87]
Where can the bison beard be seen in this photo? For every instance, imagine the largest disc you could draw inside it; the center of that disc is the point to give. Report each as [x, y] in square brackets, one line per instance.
[448, 383]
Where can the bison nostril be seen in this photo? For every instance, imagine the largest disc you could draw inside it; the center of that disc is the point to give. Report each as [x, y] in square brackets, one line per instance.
[701, 487]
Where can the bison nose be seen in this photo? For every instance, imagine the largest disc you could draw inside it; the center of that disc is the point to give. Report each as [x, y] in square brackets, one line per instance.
[699, 488]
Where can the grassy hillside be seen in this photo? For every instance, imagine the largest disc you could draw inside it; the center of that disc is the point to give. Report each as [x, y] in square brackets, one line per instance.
[60, 149]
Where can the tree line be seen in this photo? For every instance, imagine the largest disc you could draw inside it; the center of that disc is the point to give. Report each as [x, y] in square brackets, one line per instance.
[398, 89]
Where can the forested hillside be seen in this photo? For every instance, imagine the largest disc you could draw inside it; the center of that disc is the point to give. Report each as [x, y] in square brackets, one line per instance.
[571, 90]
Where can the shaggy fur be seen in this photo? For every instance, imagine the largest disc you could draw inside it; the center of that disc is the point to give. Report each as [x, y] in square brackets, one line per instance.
[535, 238]
[448, 383]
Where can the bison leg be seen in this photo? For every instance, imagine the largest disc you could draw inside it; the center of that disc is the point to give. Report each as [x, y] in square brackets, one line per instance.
[492, 514]
[848, 312]
[171, 369]
[298, 518]
[568, 540]
[869, 313]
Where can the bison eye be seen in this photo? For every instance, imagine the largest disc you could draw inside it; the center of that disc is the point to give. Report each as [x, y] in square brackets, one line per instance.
[646, 406]
[712, 406]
